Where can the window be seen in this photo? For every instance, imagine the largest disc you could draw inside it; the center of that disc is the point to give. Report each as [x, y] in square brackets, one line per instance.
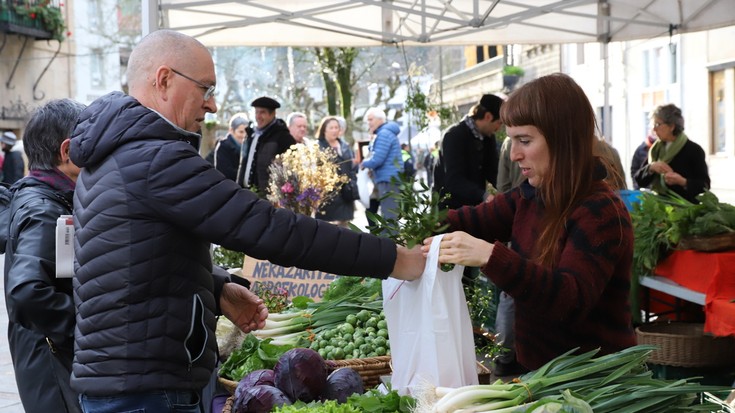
[719, 114]
[97, 68]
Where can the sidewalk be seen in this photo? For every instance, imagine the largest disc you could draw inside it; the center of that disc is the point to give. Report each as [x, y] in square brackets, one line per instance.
[9, 399]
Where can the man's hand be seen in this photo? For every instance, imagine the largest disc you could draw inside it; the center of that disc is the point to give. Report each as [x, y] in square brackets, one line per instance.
[242, 307]
[409, 264]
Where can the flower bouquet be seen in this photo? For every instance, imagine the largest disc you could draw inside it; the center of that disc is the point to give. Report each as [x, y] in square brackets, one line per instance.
[303, 179]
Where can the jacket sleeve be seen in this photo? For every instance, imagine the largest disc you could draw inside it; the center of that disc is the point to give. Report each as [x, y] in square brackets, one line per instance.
[194, 196]
[381, 149]
[33, 299]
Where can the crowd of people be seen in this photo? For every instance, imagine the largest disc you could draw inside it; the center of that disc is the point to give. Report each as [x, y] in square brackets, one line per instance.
[537, 214]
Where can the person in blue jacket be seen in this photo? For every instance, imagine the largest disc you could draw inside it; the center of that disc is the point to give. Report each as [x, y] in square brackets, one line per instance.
[384, 160]
[147, 207]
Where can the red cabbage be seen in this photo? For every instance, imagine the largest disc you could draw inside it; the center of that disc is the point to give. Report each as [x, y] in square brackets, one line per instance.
[343, 383]
[259, 399]
[257, 377]
[301, 374]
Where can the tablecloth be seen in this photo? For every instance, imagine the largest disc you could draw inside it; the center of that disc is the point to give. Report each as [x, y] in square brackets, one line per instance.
[711, 273]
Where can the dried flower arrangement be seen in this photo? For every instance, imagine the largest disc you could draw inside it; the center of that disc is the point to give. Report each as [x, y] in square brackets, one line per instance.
[304, 178]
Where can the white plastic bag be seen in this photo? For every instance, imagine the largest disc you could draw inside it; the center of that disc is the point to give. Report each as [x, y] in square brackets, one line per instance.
[365, 186]
[430, 329]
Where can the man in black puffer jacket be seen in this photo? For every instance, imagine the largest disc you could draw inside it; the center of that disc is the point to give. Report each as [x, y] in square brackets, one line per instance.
[146, 209]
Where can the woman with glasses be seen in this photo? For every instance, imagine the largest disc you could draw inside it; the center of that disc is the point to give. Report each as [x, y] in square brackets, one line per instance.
[674, 162]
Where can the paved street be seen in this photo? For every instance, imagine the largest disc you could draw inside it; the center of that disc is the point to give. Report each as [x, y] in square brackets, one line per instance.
[9, 399]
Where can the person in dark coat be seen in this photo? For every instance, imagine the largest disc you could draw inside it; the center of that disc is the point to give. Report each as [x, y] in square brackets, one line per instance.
[468, 157]
[270, 138]
[674, 162]
[229, 154]
[639, 157]
[147, 208]
[13, 165]
[40, 305]
[341, 208]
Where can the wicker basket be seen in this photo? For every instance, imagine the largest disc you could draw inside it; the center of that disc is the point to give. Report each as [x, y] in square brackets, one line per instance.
[229, 404]
[369, 368]
[686, 345]
[714, 243]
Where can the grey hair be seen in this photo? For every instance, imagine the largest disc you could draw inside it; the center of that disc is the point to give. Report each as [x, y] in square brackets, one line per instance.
[376, 112]
[671, 115]
[293, 116]
[342, 122]
[238, 120]
[46, 129]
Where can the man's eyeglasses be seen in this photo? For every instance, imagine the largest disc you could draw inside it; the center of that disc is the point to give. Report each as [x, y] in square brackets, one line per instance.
[657, 124]
[209, 89]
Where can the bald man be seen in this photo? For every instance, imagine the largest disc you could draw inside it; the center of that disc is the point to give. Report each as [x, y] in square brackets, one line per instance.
[146, 209]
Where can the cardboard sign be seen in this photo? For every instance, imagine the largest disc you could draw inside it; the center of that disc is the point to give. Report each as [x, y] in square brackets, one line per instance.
[294, 280]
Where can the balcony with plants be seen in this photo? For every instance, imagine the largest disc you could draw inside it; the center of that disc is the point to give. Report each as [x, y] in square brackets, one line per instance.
[39, 19]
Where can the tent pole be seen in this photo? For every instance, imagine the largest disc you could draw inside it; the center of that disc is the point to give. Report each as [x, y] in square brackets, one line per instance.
[150, 18]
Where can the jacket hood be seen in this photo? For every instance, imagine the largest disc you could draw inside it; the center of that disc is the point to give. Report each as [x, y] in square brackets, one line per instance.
[115, 120]
[391, 126]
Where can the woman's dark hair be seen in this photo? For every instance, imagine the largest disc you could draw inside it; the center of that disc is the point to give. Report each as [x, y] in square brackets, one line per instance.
[323, 126]
[560, 110]
[47, 128]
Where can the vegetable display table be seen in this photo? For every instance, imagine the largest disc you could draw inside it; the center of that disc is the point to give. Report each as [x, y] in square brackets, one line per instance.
[703, 278]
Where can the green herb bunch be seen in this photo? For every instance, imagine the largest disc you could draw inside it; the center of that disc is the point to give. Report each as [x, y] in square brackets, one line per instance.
[418, 217]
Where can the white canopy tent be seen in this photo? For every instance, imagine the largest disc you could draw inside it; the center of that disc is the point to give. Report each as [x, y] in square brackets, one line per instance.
[439, 22]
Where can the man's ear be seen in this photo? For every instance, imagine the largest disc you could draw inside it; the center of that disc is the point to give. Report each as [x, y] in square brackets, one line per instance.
[162, 81]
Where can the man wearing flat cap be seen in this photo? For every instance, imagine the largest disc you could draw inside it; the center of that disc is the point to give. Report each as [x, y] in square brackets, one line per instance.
[13, 165]
[468, 155]
[270, 138]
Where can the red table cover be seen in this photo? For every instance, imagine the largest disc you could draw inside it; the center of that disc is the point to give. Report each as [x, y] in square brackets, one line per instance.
[711, 273]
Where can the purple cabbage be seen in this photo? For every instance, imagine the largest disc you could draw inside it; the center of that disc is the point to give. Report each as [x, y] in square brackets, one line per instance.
[342, 384]
[259, 399]
[254, 378]
[301, 374]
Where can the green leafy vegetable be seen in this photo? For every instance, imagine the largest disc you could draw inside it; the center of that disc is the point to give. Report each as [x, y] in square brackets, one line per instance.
[253, 354]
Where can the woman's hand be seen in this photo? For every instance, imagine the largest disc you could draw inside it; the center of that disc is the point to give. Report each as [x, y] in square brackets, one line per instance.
[461, 248]
[673, 178]
[660, 168]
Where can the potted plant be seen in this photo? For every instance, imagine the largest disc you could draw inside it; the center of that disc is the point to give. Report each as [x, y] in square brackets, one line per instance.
[511, 75]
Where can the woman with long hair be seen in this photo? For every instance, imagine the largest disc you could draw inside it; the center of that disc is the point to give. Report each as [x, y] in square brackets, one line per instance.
[571, 240]
[341, 208]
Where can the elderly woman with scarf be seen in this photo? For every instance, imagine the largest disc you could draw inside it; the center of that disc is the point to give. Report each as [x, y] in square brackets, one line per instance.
[674, 162]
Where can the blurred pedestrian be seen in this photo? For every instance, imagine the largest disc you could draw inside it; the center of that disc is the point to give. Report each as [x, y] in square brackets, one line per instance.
[270, 138]
[340, 210]
[228, 155]
[468, 158]
[384, 160]
[13, 165]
